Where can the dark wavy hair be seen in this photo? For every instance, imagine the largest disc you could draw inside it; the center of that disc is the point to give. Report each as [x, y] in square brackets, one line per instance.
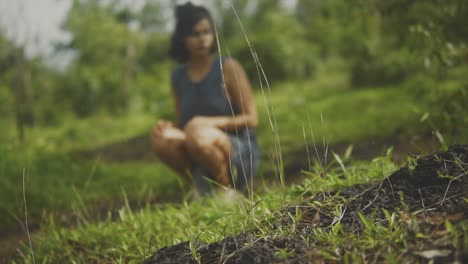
[187, 15]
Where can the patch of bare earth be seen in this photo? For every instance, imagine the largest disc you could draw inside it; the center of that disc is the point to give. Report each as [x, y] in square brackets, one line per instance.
[139, 149]
[423, 196]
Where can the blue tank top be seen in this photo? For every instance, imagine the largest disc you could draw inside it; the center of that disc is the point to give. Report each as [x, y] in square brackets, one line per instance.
[206, 97]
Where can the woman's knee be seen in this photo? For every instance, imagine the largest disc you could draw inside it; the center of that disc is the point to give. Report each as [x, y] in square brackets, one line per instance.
[160, 147]
[196, 143]
[202, 140]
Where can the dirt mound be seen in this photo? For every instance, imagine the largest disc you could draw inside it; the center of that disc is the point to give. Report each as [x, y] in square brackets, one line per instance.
[233, 250]
[435, 184]
[431, 189]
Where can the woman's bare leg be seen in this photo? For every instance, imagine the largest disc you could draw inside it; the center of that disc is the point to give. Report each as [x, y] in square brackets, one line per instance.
[169, 146]
[211, 148]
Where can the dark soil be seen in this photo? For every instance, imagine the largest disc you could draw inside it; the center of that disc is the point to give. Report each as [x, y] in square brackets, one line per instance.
[132, 149]
[244, 248]
[432, 188]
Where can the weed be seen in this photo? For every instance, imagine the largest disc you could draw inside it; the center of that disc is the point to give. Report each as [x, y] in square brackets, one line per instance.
[284, 253]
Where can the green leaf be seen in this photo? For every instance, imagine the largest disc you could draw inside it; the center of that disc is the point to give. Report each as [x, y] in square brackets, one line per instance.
[338, 159]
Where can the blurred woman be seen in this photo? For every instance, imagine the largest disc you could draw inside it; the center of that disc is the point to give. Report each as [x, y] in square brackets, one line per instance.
[212, 138]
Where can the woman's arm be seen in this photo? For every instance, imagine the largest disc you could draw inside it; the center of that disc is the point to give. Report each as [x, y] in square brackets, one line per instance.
[239, 90]
[240, 95]
[176, 106]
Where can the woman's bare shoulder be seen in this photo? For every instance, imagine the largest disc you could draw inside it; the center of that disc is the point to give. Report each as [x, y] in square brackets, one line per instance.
[231, 64]
[232, 68]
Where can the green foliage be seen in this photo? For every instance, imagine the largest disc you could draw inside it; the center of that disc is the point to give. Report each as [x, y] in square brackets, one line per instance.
[347, 115]
[121, 63]
[151, 17]
[55, 182]
[449, 100]
[284, 253]
[155, 52]
[6, 100]
[379, 235]
[382, 67]
[282, 50]
[332, 177]
[435, 25]
[6, 48]
[443, 100]
[101, 73]
[154, 89]
[98, 34]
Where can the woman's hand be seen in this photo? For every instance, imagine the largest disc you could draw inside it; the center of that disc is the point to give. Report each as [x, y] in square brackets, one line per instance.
[206, 121]
[160, 126]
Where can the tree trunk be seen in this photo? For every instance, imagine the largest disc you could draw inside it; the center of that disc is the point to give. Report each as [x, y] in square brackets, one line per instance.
[128, 75]
[23, 93]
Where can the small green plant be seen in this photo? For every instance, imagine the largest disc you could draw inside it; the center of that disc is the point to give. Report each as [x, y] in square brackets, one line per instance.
[194, 251]
[411, 163]
[284, 253]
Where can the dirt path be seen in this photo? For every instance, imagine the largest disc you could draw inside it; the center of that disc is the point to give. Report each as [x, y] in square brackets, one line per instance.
[136, 149]
[403, 146]
[9, 243]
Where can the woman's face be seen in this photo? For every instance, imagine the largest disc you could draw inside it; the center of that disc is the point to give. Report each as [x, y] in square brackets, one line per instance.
[200, 41]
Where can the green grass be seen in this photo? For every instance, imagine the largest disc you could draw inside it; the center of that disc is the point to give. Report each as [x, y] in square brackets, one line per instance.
[135, 235]
[79, 134]
[55, 182]
[347, 115]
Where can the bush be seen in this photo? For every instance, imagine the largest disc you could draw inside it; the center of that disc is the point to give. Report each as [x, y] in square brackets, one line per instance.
[383, 68]
[445, 99]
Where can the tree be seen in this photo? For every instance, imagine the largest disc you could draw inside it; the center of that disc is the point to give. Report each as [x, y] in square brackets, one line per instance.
[435, 28]
[15, 68]
[102, 73]
[274, 34]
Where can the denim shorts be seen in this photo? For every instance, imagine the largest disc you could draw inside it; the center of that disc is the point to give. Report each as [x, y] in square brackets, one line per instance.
[244, 162]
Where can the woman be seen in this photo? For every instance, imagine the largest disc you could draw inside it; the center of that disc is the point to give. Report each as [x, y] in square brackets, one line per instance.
[213, 137]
